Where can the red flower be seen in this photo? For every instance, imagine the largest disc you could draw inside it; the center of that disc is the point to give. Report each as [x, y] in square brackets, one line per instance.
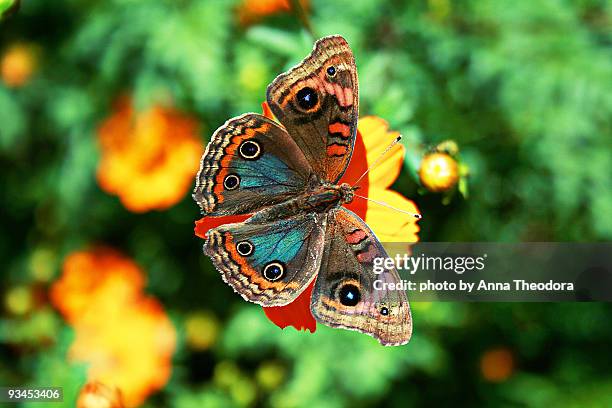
[373, 136]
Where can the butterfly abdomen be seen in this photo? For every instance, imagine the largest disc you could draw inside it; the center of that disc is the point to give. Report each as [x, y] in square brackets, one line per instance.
[318, 199]
[327, 197]
[322, 201]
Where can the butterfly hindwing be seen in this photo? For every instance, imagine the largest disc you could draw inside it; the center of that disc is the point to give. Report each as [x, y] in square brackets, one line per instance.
[250, 163]
[269, 263]
[317, 101]
[345, 295]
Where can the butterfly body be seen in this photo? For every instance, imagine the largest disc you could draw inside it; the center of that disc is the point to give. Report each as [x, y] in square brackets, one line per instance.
[327, 197]
[287, 176]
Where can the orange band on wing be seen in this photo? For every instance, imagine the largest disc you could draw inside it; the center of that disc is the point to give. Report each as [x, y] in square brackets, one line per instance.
[228, 156]
[356, 236]
[340, 128]
[336, 149]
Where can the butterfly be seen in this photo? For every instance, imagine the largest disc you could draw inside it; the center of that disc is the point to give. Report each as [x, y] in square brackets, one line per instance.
[286, 175]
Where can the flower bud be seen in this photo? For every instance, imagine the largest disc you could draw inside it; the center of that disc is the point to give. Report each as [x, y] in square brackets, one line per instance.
[201, 330]
[17, 65]
[19, 300]
[438, 172]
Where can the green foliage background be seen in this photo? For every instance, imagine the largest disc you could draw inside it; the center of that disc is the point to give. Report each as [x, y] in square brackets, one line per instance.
[524, 87]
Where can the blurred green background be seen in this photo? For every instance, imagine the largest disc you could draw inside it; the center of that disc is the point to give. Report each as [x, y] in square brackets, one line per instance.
[523, 87]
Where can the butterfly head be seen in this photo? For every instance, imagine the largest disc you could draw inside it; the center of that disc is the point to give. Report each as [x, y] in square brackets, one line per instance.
[347, 193]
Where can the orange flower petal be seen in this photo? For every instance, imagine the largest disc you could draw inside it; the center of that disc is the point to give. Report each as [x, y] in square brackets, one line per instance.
[378, 139]
[252, 11]
[95, 394]
[390, 225]
[76, 289]
[148, 158]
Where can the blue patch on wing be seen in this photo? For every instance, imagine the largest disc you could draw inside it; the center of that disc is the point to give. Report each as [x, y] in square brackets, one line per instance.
[267, 171]
[282, 245]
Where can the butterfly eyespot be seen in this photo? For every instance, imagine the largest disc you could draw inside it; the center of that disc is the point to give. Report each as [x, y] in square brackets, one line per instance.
[307, 98]
[250, 150]
[231, 182]
[384, 311]
[331, 71]
[244, 248]
[349, 295]
[274, 271]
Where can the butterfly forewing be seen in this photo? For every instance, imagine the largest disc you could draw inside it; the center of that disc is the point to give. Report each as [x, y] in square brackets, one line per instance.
[317, 101]
[250, 163]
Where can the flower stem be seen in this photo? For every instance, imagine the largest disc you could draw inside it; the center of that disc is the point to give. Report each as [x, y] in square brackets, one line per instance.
[301, 14]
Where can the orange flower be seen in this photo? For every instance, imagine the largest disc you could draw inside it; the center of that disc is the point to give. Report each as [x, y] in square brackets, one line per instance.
[17, 65]
[497, 365]
[148, 158]
[251, 11]
[124, 335]
[373, 137]
[98, 395]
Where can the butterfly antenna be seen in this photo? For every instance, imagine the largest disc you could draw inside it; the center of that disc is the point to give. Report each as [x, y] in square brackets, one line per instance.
[377, 161]
[415, 215]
